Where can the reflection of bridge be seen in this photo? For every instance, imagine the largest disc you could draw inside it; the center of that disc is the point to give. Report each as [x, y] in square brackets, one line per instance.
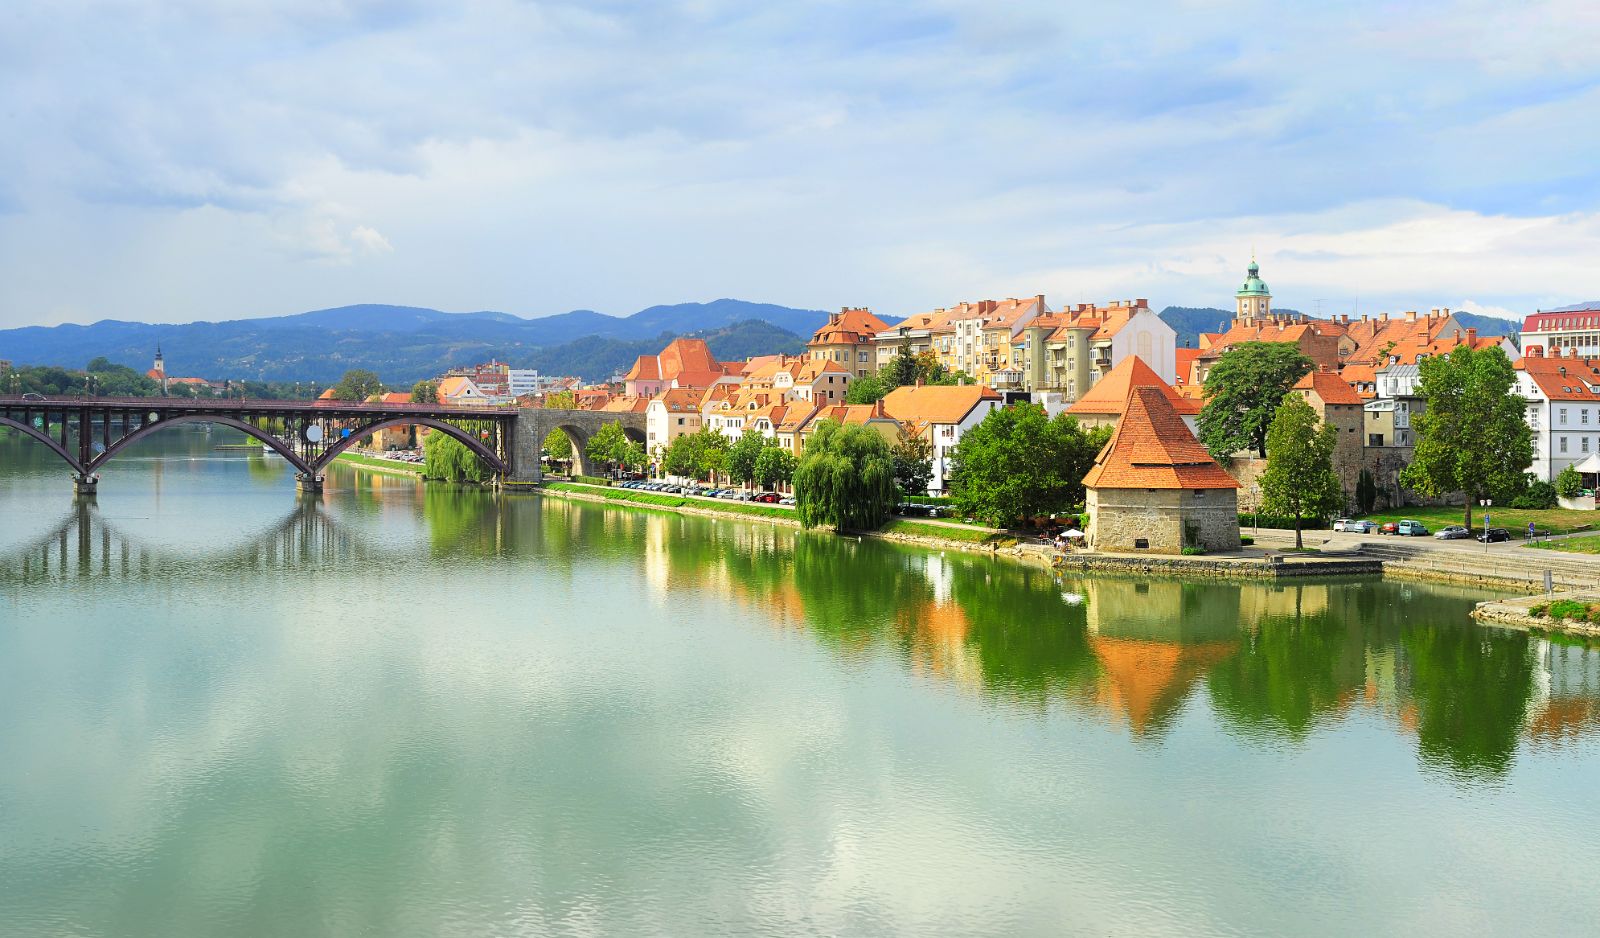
[87, 432]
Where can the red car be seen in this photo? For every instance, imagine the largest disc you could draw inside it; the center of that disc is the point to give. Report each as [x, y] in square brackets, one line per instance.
[770, 498]
[1390, 527]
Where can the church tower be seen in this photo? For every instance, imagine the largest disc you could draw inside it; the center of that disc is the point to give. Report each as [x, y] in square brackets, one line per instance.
[1254, 299]
[159, 372]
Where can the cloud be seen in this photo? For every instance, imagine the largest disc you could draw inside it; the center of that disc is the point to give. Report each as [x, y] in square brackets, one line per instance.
[542, 156]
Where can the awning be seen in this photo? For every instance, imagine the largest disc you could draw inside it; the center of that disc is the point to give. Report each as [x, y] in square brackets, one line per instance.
[1589, 465]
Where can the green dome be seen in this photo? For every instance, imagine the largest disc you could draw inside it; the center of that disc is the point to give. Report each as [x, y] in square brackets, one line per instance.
[1253, 285]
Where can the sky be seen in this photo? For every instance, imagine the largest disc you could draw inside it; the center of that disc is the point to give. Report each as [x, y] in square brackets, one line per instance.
[190, 160]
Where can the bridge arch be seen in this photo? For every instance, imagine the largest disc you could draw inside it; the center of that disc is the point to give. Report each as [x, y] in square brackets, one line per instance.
[42, 437]
[360, 433]
[276, 443]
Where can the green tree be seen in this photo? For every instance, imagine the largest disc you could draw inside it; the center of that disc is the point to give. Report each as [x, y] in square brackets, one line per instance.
[1472, 438]
[556, 442]
[1366, 492]
[904, 368]
[1299, 479]
[913, 465]
[449, 460]
[608, 446]
[1243, 391]
[697, 455]
[845, 478]
[425, 392]
[1019, 463]
[774, 466]
[867, 390]
[743, 454]
[1569, 484]
[358, 384]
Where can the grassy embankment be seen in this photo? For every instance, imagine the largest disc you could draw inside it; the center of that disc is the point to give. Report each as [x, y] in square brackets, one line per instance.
[895, 526]
[415, 468]
[1576, 545]
[1515, 520]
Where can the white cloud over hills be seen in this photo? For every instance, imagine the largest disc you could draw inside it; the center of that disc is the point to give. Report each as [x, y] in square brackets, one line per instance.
[198, 160]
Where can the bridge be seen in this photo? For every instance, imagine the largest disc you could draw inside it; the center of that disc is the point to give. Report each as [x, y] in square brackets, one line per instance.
[88, 432]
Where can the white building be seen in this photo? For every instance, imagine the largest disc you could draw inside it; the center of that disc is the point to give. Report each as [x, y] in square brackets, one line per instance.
[1573, 329]
[1142, 332]
[942, 414]
[1563, 395]
[528, 381]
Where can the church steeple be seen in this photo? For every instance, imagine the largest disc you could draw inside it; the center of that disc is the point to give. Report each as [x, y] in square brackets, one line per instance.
[1254, 299]
[160, 365]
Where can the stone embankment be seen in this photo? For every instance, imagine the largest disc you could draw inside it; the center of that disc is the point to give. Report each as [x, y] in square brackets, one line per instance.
[1517, 614]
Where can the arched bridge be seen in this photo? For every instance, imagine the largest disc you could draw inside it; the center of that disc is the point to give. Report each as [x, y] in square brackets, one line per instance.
[89, 432]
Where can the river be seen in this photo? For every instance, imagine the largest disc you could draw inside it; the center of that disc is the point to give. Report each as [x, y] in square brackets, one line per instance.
[424, 710]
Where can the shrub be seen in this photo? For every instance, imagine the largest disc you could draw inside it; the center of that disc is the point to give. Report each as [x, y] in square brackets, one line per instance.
[592, 480]
[1246, 540]
[1278, 522]
[1568, 483]
[1537, 610]
[1537, 496]
[1568, 609]
[1193, 551]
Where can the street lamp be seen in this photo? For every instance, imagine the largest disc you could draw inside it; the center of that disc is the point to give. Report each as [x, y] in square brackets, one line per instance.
[1486, 503]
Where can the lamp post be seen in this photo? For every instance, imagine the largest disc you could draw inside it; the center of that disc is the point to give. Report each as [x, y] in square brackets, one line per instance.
[1486, 503]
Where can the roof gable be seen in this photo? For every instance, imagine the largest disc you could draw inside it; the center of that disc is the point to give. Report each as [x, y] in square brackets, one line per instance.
[1152, 448]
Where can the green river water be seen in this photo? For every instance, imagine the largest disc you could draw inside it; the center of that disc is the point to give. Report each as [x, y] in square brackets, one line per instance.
[423, 710]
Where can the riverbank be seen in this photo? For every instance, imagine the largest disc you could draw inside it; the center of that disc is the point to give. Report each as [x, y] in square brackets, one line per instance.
[1530, 614]
[376, 464]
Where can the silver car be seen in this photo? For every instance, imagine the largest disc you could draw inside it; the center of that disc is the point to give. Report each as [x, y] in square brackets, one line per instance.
[1356, 526]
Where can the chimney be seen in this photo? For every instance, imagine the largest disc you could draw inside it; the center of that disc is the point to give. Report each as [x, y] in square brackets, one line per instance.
[1472, 337]
[1040, 300]
[1411, 315]
[1363, 317]
[1322, 369]
[1383, 317]
[1534, 351]
[1142, 303]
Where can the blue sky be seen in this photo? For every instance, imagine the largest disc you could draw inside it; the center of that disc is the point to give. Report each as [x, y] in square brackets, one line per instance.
[189, 160]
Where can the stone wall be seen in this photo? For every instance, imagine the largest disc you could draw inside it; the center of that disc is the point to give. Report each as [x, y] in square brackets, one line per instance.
[535, 423]
[1120, 518]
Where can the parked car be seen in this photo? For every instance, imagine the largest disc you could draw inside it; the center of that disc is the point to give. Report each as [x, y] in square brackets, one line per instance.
[1454, 532]
[1409, 528]
[1494, 535]
[767, 498]
[1357, 525]
[1389, 527]
[786, 501]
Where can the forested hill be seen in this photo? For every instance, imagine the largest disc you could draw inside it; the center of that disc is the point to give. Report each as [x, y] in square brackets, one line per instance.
[405, 343]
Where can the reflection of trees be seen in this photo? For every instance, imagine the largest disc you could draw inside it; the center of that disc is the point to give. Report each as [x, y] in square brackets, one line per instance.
[1471, 688]
[1289, 674]
[1029, 641]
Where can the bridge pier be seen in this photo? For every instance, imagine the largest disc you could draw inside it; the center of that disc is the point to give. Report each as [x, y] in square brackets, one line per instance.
[85, 485]
[308, 484]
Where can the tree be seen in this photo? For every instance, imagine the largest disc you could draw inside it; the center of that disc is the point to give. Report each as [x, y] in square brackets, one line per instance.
[1472, 438]
[609, 445]
[903, 369]
[1243, 391]
[698, 455]
[913, 465]
[1019, 463]
[867, 390]
[774, 466]
[743, 454]
[448, 459]
[1299, 479]
[1569, 484]
[845, 478]
[425, 392]
[1366, 492]
[358, 384]
[556, 442]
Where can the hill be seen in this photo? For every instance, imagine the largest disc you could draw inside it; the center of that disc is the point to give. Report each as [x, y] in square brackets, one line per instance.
[404, 343]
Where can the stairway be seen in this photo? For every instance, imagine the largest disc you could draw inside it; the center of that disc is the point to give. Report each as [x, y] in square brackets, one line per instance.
[1501, 565]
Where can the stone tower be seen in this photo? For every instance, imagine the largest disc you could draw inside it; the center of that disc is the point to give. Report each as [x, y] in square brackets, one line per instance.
[1254, 299]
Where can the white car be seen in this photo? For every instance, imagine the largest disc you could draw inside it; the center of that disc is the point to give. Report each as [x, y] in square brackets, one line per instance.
[1354, 526]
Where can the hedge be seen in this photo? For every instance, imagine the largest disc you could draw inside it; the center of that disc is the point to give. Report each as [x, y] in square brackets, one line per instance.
[1247, 520]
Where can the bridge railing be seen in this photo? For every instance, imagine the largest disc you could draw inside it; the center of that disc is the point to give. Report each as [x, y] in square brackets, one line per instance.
[255, 404]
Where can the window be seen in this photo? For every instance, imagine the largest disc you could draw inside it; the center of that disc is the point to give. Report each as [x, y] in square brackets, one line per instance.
[1140, 543]
[680, 421]
[1563, 444]
[1585, 446]
[1374, 439]
[1199, 493]
[1583, 415]
[1563, 416]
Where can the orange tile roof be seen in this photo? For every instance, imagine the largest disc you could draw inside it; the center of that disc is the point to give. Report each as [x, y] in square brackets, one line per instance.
[1184, 359]
[1330, 387]
[1152, 448]
[849, 326]
[680, 400]
[326, 395]
[1109, 395]
[397, 397]
[1562, 378]
[945, 403]
[626, 405]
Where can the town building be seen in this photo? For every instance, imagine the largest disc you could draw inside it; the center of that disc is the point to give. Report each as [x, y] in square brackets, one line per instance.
[669, 415]
[848, 338]
[984, 340]
[462, 390]
[1563, 407]
[1338, 405]
[1567, 327]
[917, 334]
[1155, 488]
[872, 416]
[684, 363]
[941, 414]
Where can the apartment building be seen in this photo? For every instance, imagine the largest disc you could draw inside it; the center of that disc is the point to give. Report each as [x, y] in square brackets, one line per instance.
[941, 414]
[848, 339]
[1563, 407]
[1555, 331]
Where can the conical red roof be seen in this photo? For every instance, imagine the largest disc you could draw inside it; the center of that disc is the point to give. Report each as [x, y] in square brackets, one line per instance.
[1152, 448]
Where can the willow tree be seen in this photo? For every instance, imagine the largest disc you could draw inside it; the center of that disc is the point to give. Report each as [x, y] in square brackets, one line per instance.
[845, 478]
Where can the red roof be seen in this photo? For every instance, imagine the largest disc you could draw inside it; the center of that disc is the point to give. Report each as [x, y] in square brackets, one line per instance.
[1330, 387]
[1152, 448]
[1110, 394]
[1563, 378]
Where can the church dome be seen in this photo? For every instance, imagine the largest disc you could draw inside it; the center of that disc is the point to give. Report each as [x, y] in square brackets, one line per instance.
[1253, 284]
